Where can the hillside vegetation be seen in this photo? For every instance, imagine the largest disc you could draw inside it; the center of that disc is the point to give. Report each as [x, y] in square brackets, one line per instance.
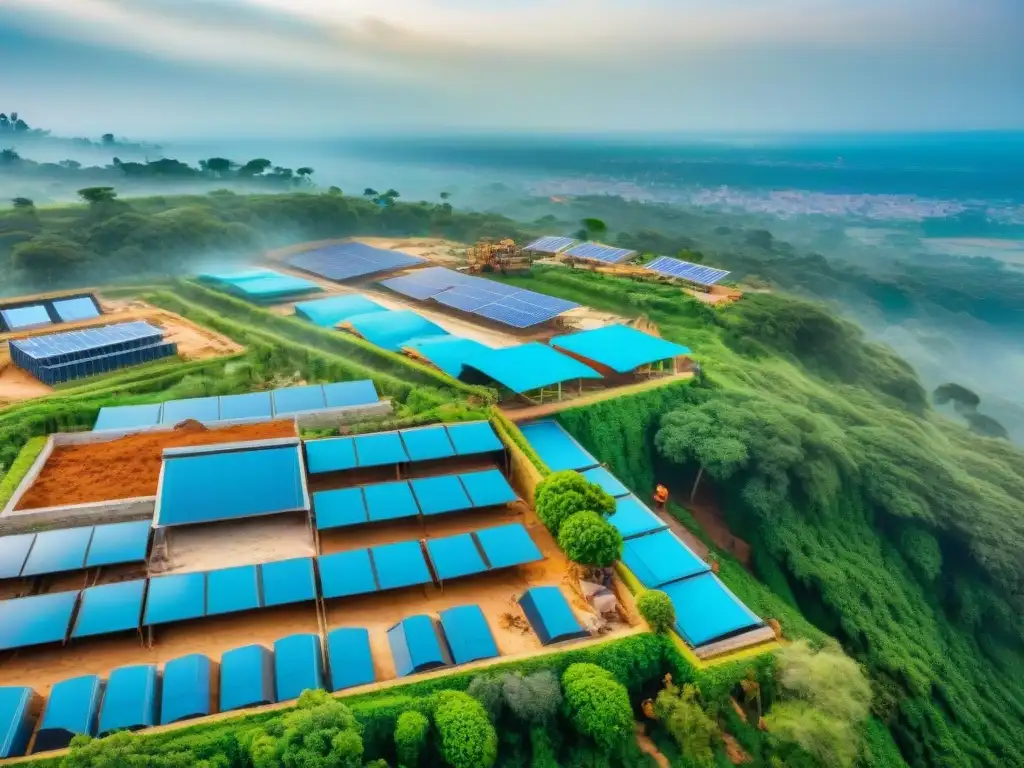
[888, 527]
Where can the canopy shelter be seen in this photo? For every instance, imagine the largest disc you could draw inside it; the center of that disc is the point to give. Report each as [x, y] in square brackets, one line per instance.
[349, 658]
[261, 286]
[550, 615]
[417, 645]
[608, 482]
[556, 447]
[36, 619]
[247, 678]
[17, 720]
[109, 608]
[131, 700]
[706, 611]
[298, 665]
[391, 329]
[329, 312]
[661, 558]
[449, 353]
[530, 368]
[468, 635]
[187, 688]
[633, 518]
[618, 349]
[71, 709]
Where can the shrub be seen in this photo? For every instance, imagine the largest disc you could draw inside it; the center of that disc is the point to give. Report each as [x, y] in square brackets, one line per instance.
[487, 689]
[558, 484]
[468, 739]
[321, 732]
[532, 698]
[589, 539]
[657, 609]
[410, 737]
[597, 705]
[686, 722]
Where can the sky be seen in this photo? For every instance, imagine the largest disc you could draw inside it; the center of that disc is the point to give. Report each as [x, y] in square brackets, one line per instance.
[161, 69]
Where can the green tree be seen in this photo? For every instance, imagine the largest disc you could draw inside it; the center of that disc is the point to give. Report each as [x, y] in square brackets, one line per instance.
[9, 157]
[23, 203]
[533, 698]
[370, 193]
[107, 139]
[334, 191]
[593, 229]
[321, 733]
[657, 609]
[487, 689]
[961, 397]
[562, 494]
[71, 165]
[255, 167]
[304, 172]
[219, 165]
[597, 705]
[98, 195]
[411, 730]
[823, 702]
[680, 713]
[589, 539]
[467, 737]
[48, 256]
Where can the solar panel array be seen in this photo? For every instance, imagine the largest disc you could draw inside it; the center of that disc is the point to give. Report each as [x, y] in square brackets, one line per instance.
[42, 312]
[59, 357]
[345, 261]
[550, 244]
[73, 549]
[684, 270]
[501, 303]
[598, 252]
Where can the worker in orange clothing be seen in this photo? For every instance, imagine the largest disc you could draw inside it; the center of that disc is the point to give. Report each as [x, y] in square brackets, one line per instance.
[660, 497]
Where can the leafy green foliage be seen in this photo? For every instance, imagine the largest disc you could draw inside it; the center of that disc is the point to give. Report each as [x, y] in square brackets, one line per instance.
[321, 733]
[589, 539]
[411, 732]
[562, 494]
[598, 705]
[533, 698]
[679, 712]
[123, 750]
[657, 609]
[489, 691]
[11, 479]
[467, 737]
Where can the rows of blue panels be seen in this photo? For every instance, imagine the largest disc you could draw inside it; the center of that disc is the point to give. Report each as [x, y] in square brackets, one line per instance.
[260, 285]
[684, 270]
[73, 549]
[550, 244]
[345, 261]
[335, 454]
[556, 447]
[287, 401]
[344, 507]
[466, 554]
[329, 312]
[225, 485]
[43, 312]
[605, 480]
[661, 558]
[90, 342]
[633, 518]
[599, 252]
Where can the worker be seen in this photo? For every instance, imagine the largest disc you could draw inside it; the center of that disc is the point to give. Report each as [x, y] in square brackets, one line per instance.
[660, 497]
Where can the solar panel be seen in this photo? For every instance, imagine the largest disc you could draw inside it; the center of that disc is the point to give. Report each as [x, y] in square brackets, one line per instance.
[72, 345]
[339, 508]
[130, 701]
[110, 608]
[25, 317]
[119, 543]
[542, 301]
[347, 573]
[549, 244]
[58, 550]
[400, 565]
[230, 590]
[412, 286]
[487, 488]
[298, 665]
[298, 399]
[438, 495]
[468, 634]
[35, 620]
[684, 270]
[425, 443]
[347, 260]
[380, 449]
[341, 394]
[175, 597]
[516, 318]
[202, 409]
[632, 518]
[455, 556]
[13, 553]
[390, 501]
[288, 581]
[598, 252]
[474, 437]
[331, 454]
[508, 545]
[70, 310]
[456, 299]
[351, 661]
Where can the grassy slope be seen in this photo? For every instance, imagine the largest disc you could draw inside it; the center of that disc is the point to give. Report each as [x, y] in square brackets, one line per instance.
[944, 652]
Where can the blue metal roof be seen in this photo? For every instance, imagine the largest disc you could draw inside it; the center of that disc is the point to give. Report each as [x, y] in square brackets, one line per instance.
[380, 449]
[331, 454]
[13, 554]
[288, 581]
[550, 615]
[659, 558]
[632, 518]
[327, 313]
[234, 484]
[128, 416]
[176, 597]
[441, 494]
[619, 347]
[449, 353]
[400, 565]
[16, 720]
[487, 488]
[298, 399]
[351, 662]
[16, 318]
[707, 611]
[390, 329]
[230, 590]
[507, 545]
[608, 482]
[36, 620]
[71, 709]
[342, 394]
[110, 608]
[556, 447]
[425, 443]
[390, 501]
[468, 635]
[252, 405]
[346, 573]
[298, 665]
[529, 367]
[202, 409]
[455, 556]
[186, 688]
[63, 549]
[130, 701]
[415, 646]
[474, 437]
[339, 508]
[119, 543]
[246, 678]
[80, 308]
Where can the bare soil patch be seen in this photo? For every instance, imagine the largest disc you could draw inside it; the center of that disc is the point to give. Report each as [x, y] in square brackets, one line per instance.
[129, 466]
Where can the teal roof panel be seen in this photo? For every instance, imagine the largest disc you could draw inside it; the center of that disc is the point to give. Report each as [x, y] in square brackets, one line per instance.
[529, 367]
[619, 347]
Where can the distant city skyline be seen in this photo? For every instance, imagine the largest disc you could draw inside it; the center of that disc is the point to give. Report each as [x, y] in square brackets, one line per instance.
[196, 68]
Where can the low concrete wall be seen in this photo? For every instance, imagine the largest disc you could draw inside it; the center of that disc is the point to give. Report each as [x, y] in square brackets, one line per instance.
[74, 515]
[30, 477]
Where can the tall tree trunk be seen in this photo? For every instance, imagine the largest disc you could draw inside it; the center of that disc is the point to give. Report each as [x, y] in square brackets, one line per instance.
[700, 474]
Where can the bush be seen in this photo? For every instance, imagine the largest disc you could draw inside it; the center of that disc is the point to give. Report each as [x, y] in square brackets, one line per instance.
[410, 737]
[487, 689]
[598, 706]
[686, 722]
[589, 539]
[468, 739]
[563, 493]
[534, 698]
[657, 609]
[322, 732]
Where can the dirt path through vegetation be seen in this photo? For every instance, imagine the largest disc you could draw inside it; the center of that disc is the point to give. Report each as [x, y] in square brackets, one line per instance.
[648, 747]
